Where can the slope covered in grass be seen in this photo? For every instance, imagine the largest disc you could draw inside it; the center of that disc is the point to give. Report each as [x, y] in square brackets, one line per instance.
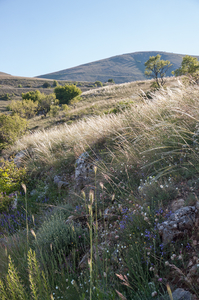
[103, 242]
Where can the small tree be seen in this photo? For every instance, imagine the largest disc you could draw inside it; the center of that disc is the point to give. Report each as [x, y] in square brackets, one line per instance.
[55, 83]
[11, 128]
[98, 83]
[46, 85]
[66, 93]
[111, 80]
[156, 68]
[189, 66]
[25, 108]
[45, 103]
[33, 95]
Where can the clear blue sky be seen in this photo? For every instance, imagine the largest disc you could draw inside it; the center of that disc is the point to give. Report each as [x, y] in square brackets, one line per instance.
[44, 36]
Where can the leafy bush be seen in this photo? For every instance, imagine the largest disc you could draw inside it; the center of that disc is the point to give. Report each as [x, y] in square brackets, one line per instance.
[11, 128]
[5, 97]
[25, 108]
[55, 83]
[33, 95]
[66, 93]
[111, 80]
[46, 85]
[10, 181]
[59, 238]
[10, 176]
[54, 110]
[5, 202]
[46, 102]
[65, 107]
[98, 83]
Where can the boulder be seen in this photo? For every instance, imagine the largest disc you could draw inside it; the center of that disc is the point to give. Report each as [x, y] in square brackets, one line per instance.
[83, 169]
[60, 183]
[181, 294]
[178, 224]
[19, 158]
[177, 204]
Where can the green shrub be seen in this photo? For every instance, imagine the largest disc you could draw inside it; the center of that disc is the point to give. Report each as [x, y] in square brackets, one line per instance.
[98, 83]
[46, 85]
[11, 128]
[10, 176]
[66, 93]
[25, 108]
[10, 181]
[5, 202]
[55, 83]
[65, 107]
[57, 238]
[19, 85]
[5, 96]
[33, 95]
[111, 80]
[54, 110]
[46, 102]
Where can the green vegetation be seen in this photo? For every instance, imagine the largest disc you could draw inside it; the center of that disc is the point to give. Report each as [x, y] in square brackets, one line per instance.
[111, 80]
[98, 83]
[5, 97]
[157, 68]
[103, 242]
[32, 95]
[55, 83]
[46, 85]
[66, 93]
[189, 66]
[25, 108]
[11, 128]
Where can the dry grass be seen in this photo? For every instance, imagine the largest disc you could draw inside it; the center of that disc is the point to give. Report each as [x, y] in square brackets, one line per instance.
[149, 124]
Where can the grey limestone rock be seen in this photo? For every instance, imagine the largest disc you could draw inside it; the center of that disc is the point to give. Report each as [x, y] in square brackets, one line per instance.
[178, 223]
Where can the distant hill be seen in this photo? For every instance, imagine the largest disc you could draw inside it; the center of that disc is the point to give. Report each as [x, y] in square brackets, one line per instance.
[122, 68]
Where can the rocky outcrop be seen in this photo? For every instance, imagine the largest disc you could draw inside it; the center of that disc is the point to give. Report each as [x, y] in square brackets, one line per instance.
[19, 158]
[178, 224]
[60, 182]
[83, 170]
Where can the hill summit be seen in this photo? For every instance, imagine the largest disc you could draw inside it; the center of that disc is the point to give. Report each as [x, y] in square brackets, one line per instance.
[121, 68]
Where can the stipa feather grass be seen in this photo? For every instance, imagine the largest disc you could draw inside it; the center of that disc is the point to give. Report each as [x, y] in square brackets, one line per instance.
[170, 115]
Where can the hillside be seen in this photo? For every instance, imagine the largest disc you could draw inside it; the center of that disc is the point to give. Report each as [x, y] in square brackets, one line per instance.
[106, 203]
[121, 68]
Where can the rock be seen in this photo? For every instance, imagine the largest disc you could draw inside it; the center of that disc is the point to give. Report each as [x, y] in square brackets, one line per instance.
[83, 168]
[197, 205]
[177, 204]
[19, 158]
[60, 183]
[178, 224]
[181, 294]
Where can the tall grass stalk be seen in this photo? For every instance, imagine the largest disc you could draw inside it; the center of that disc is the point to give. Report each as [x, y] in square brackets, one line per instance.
[26, 202]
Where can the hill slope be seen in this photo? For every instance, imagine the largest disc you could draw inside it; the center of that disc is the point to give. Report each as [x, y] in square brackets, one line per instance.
[122, 68]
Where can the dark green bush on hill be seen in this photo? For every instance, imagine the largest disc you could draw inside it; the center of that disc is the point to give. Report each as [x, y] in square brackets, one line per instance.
[98, 83]
[11, 128]
[111, 80]
[46, 85]
[32, 95]
[66, 93]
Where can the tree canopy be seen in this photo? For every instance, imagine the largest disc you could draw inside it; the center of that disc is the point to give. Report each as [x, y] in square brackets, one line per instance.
[156, 68]
[189, 66]
[66, 93]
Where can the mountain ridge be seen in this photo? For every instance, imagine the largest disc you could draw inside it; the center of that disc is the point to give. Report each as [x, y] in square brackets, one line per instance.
[121, 68]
